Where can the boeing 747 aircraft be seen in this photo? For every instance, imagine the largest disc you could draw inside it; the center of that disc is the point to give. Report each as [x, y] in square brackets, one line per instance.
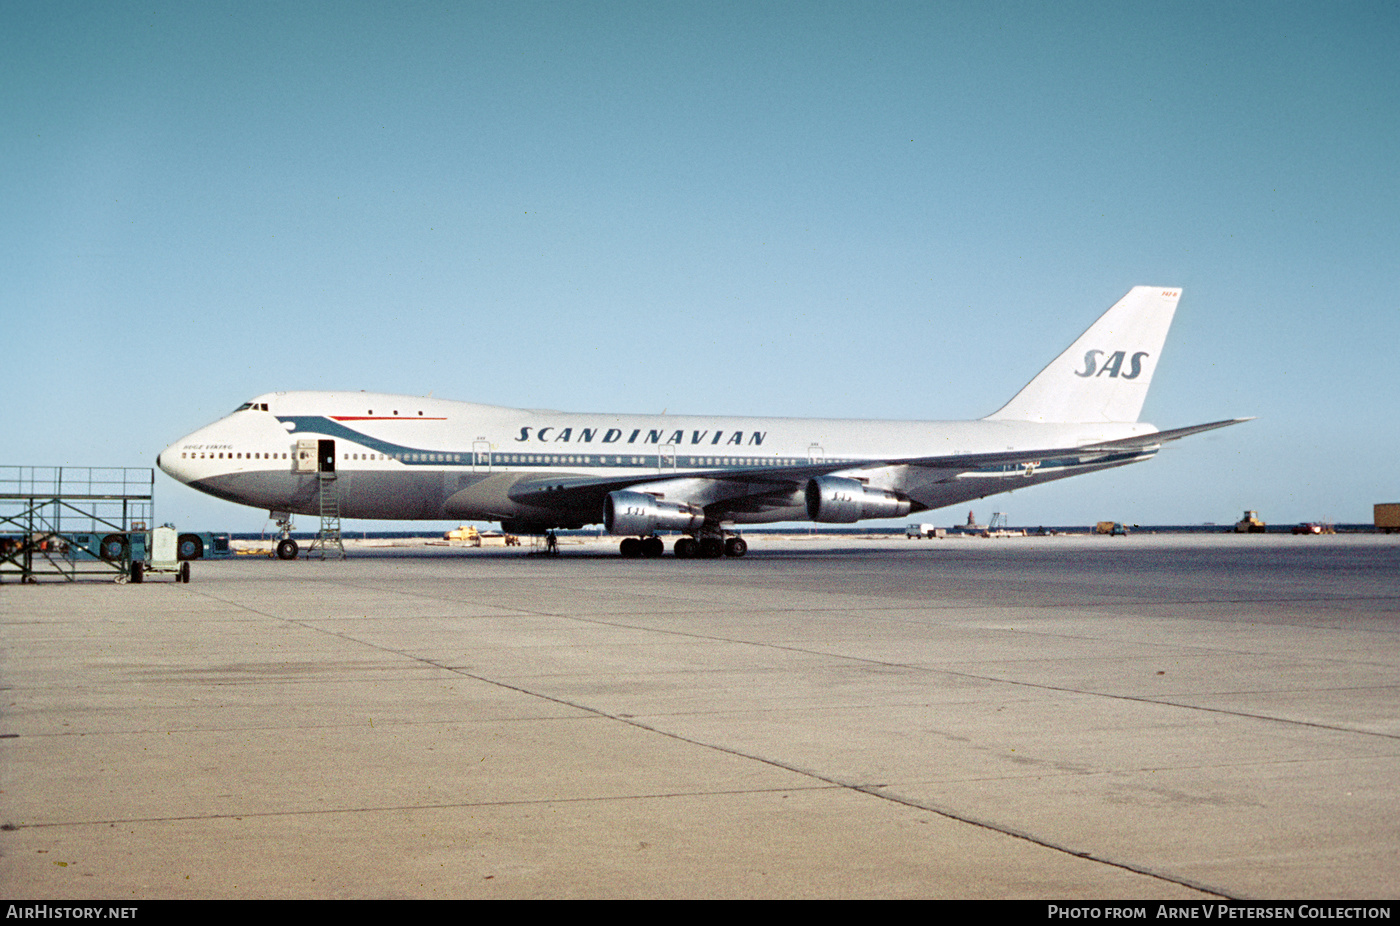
[404, 457]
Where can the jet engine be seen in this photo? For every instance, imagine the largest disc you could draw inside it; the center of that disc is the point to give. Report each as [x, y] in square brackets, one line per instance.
[636, 513]
[835, 500]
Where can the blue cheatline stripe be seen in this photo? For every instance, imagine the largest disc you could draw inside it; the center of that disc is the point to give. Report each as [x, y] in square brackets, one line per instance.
[321, 425]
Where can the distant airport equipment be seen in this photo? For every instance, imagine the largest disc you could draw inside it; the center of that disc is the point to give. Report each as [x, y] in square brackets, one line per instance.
[923, 531]
[1249, 524]
[71, 521]
[1387, 516]
[162, 556]
[108, 546]
[188, 546]
[999, 526]
[142, 552]
[1111, 528]
[204, 545]
[392, 456]
[465, 533]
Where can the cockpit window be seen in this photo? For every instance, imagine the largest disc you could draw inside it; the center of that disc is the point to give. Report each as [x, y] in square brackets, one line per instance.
[251, 406]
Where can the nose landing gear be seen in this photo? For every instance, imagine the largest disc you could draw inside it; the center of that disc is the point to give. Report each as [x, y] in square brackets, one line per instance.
[285, 547]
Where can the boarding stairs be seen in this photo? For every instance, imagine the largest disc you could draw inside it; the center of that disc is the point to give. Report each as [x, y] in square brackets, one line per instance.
[328, 536]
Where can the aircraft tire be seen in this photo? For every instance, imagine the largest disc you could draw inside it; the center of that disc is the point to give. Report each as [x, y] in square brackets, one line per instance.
[287, 549]
[711, 548]
[687, 548]
[736, 547]
[653, 547]
[631, 547]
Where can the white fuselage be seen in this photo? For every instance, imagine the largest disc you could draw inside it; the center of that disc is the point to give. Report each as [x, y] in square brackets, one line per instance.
[405, 457]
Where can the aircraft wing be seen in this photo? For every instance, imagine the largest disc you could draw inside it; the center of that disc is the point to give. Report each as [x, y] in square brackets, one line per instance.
[758, 488]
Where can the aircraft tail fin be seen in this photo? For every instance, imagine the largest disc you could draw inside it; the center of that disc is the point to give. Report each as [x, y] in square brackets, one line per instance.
[1104, 375]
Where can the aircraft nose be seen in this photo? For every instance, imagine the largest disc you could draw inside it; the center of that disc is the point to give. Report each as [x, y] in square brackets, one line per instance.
[168, 461]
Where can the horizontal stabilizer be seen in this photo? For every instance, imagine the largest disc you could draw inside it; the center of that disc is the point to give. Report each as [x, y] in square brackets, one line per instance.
[1161, 437]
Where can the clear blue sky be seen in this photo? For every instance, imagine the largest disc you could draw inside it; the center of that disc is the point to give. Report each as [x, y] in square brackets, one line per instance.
[879, 210]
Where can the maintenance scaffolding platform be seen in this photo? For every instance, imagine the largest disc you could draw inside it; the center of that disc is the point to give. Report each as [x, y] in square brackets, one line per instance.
[67, 521]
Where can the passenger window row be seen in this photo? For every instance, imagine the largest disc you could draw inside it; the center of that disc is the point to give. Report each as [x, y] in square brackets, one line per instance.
[525, 459]
[206, 455]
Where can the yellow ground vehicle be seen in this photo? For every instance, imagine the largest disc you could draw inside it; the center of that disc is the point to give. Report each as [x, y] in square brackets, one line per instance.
[1249, 524]
[466, 532]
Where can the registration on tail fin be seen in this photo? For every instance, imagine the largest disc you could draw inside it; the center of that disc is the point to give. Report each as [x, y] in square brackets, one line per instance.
[1104, 375]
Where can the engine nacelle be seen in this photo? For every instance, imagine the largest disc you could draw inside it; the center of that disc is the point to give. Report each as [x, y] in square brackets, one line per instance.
[639, 514]
[835, 500]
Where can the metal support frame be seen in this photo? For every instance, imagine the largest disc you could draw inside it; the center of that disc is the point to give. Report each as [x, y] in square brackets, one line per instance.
[45, 510]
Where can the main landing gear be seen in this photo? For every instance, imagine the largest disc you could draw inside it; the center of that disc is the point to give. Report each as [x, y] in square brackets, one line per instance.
[704, 547]
[649, 547]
